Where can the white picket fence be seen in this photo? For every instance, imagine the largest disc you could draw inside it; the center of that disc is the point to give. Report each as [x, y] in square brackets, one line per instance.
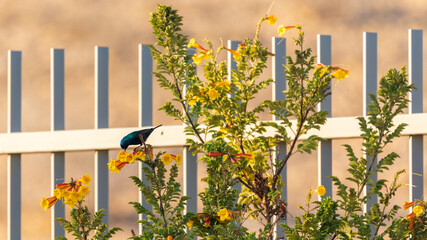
[57, 141]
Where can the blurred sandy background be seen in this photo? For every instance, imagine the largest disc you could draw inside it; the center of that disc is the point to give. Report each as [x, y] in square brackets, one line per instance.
[78, 25]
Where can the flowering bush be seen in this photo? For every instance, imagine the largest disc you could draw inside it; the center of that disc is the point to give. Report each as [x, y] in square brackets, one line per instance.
[81, 226]
[236, 149]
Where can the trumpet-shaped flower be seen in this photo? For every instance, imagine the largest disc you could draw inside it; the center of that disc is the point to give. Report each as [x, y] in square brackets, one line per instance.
[139, 155]
[340, 74]
[221, 84]
[213, 94]
[85, 179]
[48, 202]
[205, 54]
[223, 214]
[216, 154]
[122, 155]
[407, 205]
[283, 29]
[236, 53]
[71, 192]
[320, 190]
[177, 158]
[166, 159]
[193, 43]
[190, 224]
[116, 166]
[271, 19]
[418, 210]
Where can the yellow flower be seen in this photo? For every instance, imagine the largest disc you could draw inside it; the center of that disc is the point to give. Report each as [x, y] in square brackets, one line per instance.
[282, 29]
[58, 193]
[340, 74]
[178, 159]
[84, 190]
[85, 179]
[236, 53]
[223, 214]
[193, 43]
[190, 224]
[116, 166]
[213, 94]
[130, 158]
[418, 210]
[166, 159]
[122, 155]
[271, 19]
[48, 203]
[205, 54]
[320, 190]
[139, 155]
[224, 83]
[192, 102]
[407, 205]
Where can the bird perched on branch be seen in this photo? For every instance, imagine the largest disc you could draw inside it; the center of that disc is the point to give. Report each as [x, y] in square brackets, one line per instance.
[137, 137]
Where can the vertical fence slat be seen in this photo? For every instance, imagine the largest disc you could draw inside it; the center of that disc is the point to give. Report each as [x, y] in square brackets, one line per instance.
[101, 121]
[145, 81]
[232, 65]
[416, 165]
[324, 54]
[279, 85]
[370, 71]
[57, 120]
[14, 86]
[278, 70]
[189, 166]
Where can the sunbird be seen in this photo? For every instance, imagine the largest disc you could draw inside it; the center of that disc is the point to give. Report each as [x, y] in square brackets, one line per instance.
[137, 137]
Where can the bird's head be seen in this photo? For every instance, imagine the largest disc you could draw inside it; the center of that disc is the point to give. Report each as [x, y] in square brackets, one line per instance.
[123, 146]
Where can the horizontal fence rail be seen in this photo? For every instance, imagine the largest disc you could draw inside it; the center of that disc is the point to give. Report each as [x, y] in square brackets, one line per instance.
[58, 140]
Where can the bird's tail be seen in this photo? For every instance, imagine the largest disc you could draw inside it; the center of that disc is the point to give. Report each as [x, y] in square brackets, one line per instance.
[157, 126]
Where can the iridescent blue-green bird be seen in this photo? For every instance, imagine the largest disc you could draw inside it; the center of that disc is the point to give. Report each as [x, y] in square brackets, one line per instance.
[136, 138]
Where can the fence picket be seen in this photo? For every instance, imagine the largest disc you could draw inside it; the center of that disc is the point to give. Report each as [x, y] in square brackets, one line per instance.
[57, 122]
[14, 89]
[145, 82]
[324, 157]
[278, 86]
[416, 152]
[232, 65]
[101, 121]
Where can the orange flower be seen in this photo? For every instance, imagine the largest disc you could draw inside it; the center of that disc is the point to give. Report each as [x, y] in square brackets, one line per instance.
[282, 29]
[190, 224]
[116, 166]
[216, 154]
[193, 43]
[236, 53]
[410, 217]
[197, 58]
[407, 205]
[71, 192]
[222, 83]
[170, 237]
[271, 19]
[48, 203]
[340, 74]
